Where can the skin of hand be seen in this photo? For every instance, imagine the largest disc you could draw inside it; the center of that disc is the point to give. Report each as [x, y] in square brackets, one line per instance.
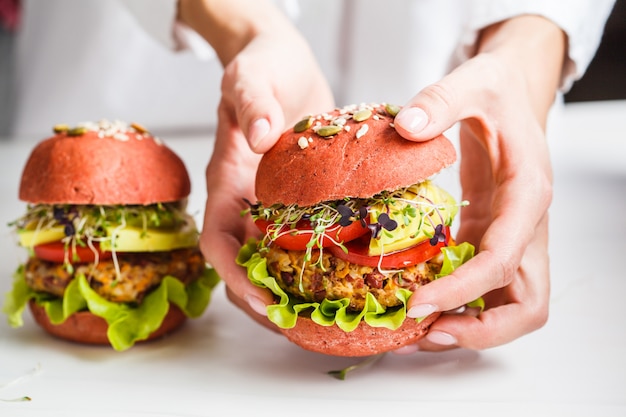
[271, 80]
[501, 97]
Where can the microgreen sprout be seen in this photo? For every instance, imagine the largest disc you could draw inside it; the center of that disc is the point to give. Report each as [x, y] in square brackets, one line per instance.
[322, 221]
[20, 379]
[384, 223]
[341, 374]
[439, 235]
[347, 215]
[86, 225]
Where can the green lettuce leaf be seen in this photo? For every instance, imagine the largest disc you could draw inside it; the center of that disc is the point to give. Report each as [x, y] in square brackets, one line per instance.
[455, 256]
[127, 324]
[15, 300]
[284, 313]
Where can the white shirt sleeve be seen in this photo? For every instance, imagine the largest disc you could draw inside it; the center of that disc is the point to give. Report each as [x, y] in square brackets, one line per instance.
[582, 21]
[158, 19]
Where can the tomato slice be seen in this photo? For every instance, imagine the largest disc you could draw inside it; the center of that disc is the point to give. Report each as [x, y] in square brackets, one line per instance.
[297, 238]
[358, 253]
[55, 252]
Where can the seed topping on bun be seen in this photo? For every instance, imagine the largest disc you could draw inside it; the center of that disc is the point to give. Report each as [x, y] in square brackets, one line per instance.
[116, 129]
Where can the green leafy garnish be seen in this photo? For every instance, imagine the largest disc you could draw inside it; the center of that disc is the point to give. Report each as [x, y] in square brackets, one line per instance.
[335, 312]
[419, 209]
[90, 221]
[343, 373]
[127, 323]
[91, 225]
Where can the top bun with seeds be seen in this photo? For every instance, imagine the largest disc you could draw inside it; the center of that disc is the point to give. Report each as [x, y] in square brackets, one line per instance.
[103, 163]
[350, 152]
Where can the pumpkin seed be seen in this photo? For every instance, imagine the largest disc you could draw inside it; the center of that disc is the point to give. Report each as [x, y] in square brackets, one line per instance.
[392, 109]
[139, 128]
[330, 130]
[77, 131]
[60, 128]
[303, 125]
[362, 115]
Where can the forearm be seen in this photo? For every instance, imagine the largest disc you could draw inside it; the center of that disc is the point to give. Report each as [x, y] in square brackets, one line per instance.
[228, 25]
[535, 46]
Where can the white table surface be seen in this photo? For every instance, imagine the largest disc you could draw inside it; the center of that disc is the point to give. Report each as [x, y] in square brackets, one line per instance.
[224, 364]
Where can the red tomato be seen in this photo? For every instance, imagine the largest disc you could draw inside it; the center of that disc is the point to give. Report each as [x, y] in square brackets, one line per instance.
[297, 239]
[358, 253]
[55, 252]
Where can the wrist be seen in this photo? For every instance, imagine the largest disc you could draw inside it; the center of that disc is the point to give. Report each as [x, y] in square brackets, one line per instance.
[535, 48]
[229, 25]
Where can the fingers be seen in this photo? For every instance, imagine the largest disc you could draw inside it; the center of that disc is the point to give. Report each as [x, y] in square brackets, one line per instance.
[220, 247]
[258, 113]
[275, 80]
[250, 310]
[502, 224]
[517, 309]
[506, 177]
[222, 257]
[223, 234]
[440, 105]
[471, 91]
[230, 179]
[480, 275]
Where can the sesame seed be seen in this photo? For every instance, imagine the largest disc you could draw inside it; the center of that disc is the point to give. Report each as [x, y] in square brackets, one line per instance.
[303, 142]
[116, 129]
[362, 131]
[120, 136]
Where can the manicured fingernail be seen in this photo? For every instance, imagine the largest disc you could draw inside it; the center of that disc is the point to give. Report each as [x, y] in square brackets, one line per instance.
[421, 310]
[412, 119]
[256, 304]
[441, 338]
[258, 131]
[406, 350]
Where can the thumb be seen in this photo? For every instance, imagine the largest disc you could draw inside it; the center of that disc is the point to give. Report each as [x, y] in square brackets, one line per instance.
[433, 110]
[259, 115]
[260, 118]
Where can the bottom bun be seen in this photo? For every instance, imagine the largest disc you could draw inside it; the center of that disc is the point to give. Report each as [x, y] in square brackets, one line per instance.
[363, 341]
[85, 327]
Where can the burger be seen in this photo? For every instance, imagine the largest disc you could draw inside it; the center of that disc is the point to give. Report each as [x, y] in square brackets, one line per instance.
[113, 254]
[351, 225]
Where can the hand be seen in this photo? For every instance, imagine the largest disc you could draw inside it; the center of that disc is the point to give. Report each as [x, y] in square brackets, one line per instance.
[271, 83]
[506, 176]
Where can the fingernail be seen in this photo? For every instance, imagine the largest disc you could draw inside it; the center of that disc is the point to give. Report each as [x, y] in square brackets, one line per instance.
[258, 131]
[256, 304]
[421, 310]
[412, 119]
[406, 350]
[441, 338]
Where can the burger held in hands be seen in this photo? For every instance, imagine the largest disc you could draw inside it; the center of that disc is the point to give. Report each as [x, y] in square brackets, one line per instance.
[114, 255]
[351, 225]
